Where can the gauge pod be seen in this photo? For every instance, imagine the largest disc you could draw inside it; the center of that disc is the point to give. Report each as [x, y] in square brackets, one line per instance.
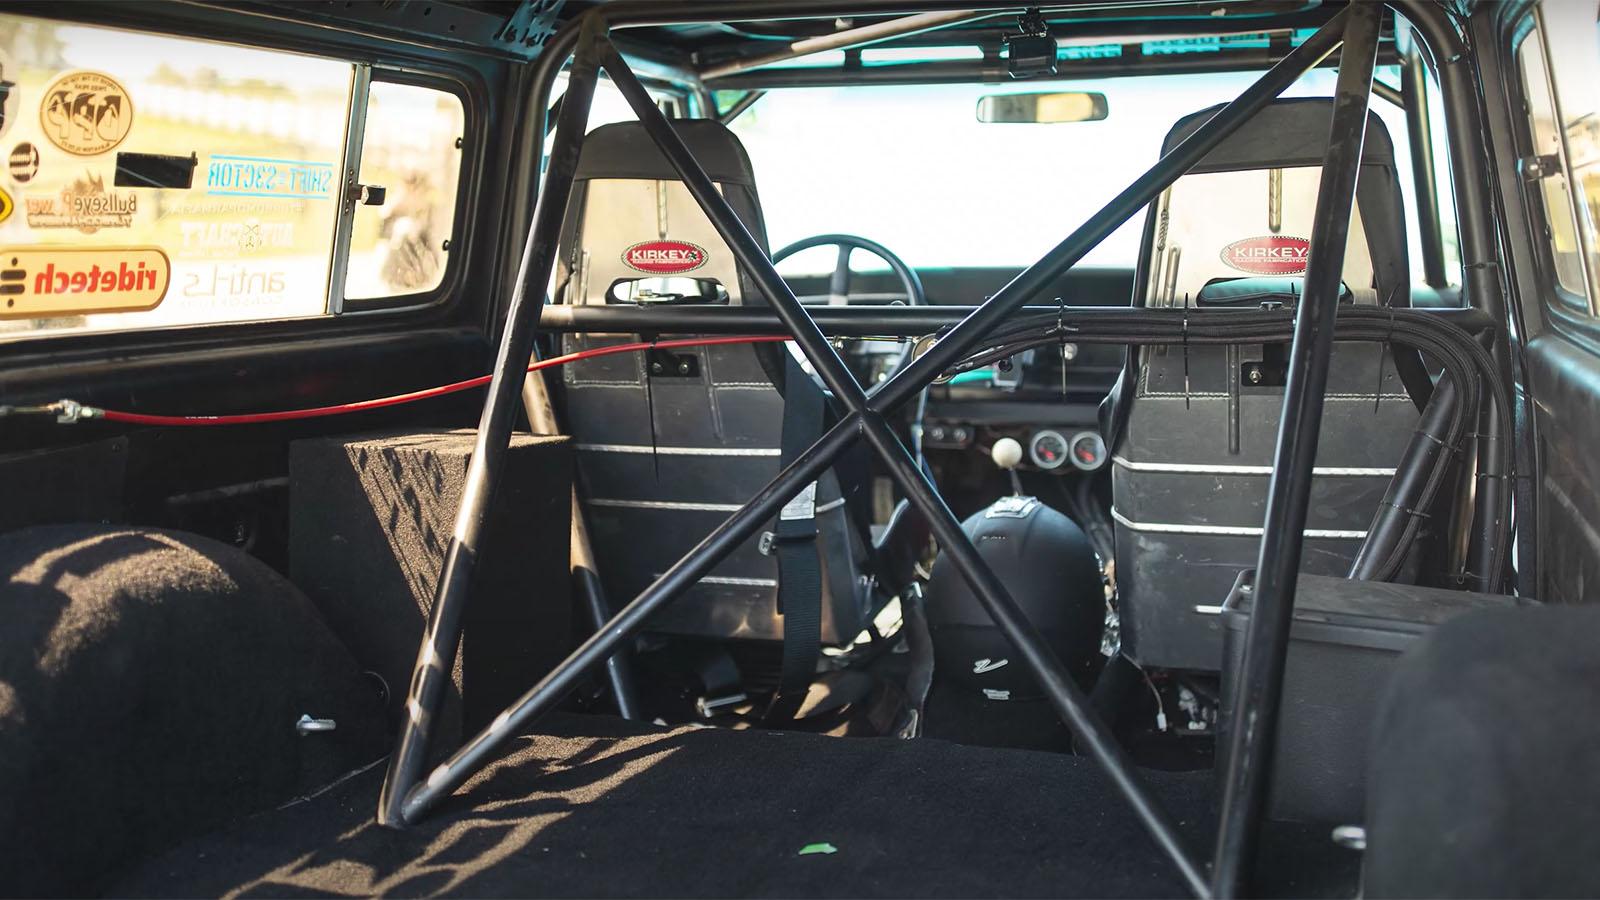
[1087, 451]
[1048, 449]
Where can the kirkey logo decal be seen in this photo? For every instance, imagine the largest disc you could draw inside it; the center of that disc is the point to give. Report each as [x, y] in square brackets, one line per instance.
[1268, 255]
[664, 257]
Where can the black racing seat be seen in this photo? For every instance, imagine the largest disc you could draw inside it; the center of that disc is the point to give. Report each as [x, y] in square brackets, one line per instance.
[670, 443]
[1193, 429]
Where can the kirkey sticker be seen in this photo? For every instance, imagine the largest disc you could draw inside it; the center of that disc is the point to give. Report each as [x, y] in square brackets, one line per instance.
[1272, 254]
[86, 113]
[36, 282]
[23, 162]
[84, 205]
[259, 176]
[664, 257]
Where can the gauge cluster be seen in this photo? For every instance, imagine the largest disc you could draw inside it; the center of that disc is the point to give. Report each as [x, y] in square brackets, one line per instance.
[1050, 449]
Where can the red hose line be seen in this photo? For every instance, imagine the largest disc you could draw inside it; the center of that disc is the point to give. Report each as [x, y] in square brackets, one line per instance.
[112, 415]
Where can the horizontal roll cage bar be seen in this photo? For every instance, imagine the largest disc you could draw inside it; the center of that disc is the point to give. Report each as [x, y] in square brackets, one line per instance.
[409, 792]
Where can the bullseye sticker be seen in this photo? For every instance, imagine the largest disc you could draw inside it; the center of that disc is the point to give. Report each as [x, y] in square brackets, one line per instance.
[58, 281]
[86, 113]
[664, 257]
[1272, 254]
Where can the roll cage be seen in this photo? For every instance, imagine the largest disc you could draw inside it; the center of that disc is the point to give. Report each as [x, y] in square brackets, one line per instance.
[410, 791]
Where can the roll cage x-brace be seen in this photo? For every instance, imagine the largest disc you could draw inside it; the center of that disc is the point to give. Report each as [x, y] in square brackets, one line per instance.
[408, 793]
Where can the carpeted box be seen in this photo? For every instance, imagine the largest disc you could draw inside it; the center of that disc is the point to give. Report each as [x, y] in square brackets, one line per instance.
[370, 520]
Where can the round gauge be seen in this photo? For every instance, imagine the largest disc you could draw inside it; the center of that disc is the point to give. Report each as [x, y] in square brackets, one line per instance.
[1047, 449]
[1087, 451]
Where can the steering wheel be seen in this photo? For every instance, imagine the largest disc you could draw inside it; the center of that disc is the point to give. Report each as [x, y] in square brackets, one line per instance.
[839, 288]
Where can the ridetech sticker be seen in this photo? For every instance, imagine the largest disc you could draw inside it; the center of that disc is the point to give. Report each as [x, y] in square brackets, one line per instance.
[664, 257]
[56, 281]
[259, 176]
[85, 113]
[1268, 255]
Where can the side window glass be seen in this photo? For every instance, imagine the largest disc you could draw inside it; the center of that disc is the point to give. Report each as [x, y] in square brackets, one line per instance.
[412, 150]
[1559, 63]
[154, 181]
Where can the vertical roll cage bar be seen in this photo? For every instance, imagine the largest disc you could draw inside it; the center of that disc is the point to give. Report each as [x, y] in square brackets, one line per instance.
[408, 793]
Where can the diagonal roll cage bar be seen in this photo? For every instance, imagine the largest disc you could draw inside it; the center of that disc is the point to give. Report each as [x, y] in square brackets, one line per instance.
[408, 795]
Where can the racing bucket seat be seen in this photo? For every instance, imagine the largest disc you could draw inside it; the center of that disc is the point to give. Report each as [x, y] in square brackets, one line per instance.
[670, 443]
[1193, 428]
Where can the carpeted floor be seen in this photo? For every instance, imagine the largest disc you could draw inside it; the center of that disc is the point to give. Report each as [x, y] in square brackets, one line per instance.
[600, 807]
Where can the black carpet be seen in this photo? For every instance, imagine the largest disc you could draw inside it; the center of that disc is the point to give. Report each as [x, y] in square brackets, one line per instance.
[599, 807]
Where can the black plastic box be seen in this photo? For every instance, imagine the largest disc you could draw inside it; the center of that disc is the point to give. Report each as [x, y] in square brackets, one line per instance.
[1343, 644]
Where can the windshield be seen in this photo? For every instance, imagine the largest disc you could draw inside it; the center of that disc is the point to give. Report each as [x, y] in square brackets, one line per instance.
[912, 168]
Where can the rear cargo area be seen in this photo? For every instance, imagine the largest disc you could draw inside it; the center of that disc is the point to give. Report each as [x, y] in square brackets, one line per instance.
[596, 806]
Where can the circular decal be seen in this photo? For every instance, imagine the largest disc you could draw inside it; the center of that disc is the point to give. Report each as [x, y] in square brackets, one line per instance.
[85, 113]
[23, 162]
[664, 257]
[6, 206]
[1272, 254]
[10, 93]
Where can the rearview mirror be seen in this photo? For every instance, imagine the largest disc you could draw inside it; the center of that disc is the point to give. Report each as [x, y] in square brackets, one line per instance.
[1043, 109]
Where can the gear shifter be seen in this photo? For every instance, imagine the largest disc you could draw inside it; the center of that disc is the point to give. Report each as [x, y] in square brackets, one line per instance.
[1006, 453]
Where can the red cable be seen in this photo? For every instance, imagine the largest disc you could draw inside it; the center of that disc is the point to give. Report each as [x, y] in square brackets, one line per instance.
[111, 415]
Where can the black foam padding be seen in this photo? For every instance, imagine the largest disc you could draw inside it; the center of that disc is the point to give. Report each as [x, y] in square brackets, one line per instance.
[58, 485]
[150, 682]
[370, 520]
[602, 808]
[1484, 778]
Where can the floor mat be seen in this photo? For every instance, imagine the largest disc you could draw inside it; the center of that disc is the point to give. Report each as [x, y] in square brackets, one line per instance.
[601, 808]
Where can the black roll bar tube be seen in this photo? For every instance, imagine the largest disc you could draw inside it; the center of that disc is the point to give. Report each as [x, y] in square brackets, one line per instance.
[436, 653]
[1481, 275]
[1419, 132]
[1260, 687]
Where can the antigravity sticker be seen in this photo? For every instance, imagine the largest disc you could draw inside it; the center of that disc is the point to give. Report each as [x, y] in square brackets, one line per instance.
[1268, 255]
[56, 281]
[85, 113]
[664, 257]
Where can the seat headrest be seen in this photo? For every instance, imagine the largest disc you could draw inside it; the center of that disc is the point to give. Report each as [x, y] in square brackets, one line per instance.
[626, 150]
[1283, 134]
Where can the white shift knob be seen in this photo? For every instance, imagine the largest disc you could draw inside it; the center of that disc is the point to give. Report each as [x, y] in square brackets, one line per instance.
[1006, 453]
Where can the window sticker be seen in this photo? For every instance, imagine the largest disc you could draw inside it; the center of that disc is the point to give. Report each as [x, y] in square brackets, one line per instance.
[84, 205]
[43, 281]
[10, 92]
[23, 163]
[1269, 254]
[664, 257]
[86, 113]
[257, 176]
